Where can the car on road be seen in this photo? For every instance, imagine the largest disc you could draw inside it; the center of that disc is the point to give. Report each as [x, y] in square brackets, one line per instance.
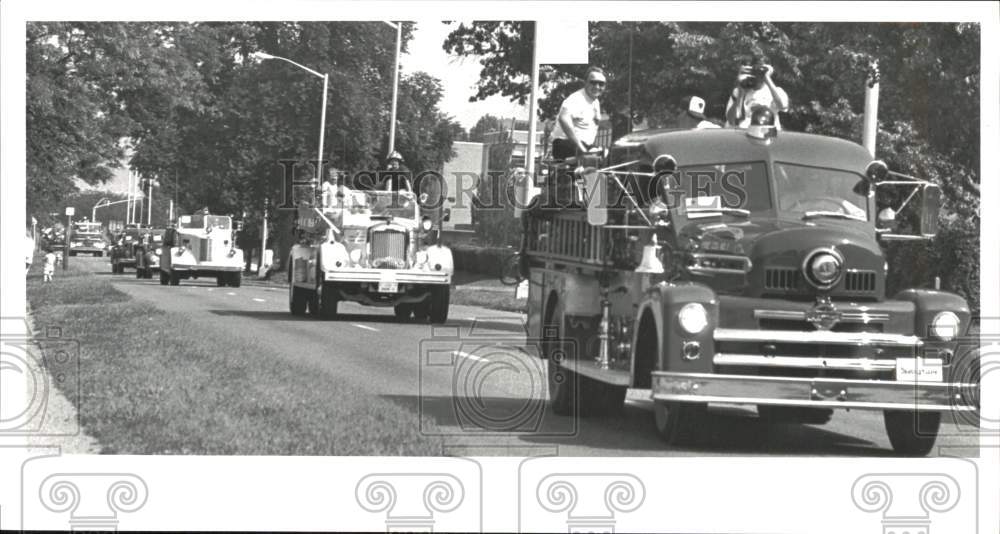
[201, 245]
[147, 252]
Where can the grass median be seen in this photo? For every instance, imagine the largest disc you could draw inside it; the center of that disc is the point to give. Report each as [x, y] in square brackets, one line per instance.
[154, 382]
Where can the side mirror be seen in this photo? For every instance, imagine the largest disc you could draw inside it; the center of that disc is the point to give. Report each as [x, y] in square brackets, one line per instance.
[876, 171]
[929, 210]
[447, 215]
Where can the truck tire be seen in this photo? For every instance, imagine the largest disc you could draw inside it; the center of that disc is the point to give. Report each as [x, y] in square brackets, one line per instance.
[562, 381]
[138, 273]
[677, 422]
[912, 433]
[599, 398]
[403, 311]
[163, 278]
[175, 278]
[296, 300]
[236, 279]
[221, 279]
[328, 299]
[439, 303]
[421, 311]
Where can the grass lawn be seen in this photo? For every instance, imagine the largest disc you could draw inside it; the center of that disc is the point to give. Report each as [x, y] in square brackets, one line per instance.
[154, 382]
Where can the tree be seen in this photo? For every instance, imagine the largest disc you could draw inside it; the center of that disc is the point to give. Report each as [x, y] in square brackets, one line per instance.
[486, 123]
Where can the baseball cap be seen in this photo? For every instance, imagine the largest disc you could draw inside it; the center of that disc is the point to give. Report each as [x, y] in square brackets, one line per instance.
[695, 106]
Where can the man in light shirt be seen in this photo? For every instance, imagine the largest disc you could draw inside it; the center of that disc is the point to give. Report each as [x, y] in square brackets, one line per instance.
[579, 117]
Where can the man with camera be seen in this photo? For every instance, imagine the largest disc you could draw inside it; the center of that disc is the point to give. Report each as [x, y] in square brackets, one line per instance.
[754, 88]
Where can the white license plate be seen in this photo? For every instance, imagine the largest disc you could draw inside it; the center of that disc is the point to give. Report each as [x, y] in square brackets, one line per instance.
[387, 283]
[919, 370]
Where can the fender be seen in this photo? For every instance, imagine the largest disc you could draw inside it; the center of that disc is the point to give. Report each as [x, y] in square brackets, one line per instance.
[927, 304]
[664, 302]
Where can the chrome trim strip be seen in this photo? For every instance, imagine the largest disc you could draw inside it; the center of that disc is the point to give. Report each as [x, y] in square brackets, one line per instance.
[811, 392]
[747, 264]
[590, 369]
[817, 337]
[805, 362]
[845, 317]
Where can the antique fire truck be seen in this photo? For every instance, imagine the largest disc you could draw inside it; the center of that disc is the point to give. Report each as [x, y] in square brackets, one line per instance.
[201, 245]
[741, 266]
[87, 238]
[372, 247]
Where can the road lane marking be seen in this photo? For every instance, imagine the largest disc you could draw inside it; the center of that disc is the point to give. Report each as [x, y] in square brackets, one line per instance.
[231, 293]
[469, 356]
[365, 327]
[255, 299]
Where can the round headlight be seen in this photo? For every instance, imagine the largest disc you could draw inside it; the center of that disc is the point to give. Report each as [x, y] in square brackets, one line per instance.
[823, 268]
[421, 257]
[426, 224]
[159, 251]
[355, 255]
[693, 318]
[945, 326]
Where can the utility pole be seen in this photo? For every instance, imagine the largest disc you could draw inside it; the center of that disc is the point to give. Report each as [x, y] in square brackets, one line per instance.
[149, 216]
[263, 241]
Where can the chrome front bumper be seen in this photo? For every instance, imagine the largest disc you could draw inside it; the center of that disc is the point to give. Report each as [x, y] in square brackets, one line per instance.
[398, 276]
[813, 392]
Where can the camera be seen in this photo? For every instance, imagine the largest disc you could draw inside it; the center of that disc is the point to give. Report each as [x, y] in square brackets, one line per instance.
[758, 71]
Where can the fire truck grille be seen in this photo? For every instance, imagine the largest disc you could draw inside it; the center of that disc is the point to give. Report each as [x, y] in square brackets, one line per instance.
[205, 250]
[782, 279]
[388, 250]
[859, 281]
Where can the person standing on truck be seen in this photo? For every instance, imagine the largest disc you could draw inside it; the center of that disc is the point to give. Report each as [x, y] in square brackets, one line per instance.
[395, 173]
[579, 117]
[693, 115]
[754, 87]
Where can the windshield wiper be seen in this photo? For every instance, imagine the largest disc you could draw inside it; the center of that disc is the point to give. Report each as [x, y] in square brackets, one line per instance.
[728, 211]
[834, 214]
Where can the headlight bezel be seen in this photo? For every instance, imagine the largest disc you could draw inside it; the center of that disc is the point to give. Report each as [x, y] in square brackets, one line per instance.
[809, 264]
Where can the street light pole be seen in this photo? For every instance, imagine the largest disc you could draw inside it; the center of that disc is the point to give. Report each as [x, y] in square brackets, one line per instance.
[322, 120]
[149, 216]
[395, 84]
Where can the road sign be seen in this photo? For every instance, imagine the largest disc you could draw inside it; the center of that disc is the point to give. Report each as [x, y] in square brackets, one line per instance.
[71, 211]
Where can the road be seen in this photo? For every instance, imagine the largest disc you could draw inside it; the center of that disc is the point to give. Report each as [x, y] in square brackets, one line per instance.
[471, 384]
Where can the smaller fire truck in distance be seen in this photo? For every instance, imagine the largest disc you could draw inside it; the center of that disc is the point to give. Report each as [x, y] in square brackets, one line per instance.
[374, 248]
[201, 245]
[147, 252]
[87, 238]
[122, 251]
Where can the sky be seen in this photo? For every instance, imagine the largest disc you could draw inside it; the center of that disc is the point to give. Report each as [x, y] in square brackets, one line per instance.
[458, 76]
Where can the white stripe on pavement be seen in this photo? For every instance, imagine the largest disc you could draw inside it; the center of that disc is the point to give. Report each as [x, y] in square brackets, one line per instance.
[230, 293]
[364, 327]
[255, 299]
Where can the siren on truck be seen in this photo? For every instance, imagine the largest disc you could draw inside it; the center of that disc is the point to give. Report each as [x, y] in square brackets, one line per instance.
[762, 124]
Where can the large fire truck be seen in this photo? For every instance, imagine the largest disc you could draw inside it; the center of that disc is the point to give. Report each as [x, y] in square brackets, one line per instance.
[201, 245]
[373, 247]
[741, 266]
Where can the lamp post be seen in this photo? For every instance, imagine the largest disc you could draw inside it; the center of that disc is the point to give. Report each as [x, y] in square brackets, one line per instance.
[395, 84]
[322, 119]
[103, 203]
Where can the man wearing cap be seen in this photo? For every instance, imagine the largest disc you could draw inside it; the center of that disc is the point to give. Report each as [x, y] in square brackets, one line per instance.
[579, 117]
[754, 88]
[693, 115]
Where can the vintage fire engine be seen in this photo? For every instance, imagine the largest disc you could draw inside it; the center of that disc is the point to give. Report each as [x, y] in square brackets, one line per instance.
[372, 247]
[201, 245]
[122, 253]
[740, 266]
[148, 251]
[87, 238]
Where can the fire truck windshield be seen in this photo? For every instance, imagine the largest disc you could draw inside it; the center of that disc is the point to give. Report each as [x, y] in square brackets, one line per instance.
[86, 228]
[401, 204]
[813, 190]
[735, 185]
